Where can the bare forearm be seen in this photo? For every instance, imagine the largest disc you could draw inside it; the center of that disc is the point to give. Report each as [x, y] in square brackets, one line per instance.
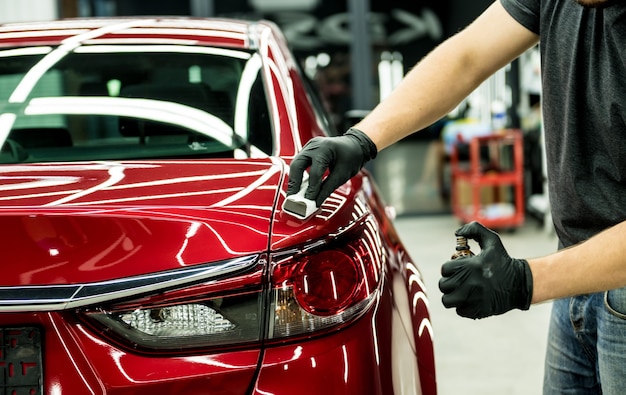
[596, 265]
[447, 75]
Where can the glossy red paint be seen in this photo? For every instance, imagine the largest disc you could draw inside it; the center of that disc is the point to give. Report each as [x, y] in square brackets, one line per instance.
[76, 223]
[354, 360]
[89, 222]
[77, 362]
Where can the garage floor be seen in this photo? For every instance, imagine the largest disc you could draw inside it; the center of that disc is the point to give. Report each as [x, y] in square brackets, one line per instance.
[498, 355]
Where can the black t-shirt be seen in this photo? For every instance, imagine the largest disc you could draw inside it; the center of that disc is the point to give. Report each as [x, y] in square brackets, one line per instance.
[583, 61]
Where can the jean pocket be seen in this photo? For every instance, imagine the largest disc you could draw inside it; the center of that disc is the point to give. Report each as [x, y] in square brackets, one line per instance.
[615, 302]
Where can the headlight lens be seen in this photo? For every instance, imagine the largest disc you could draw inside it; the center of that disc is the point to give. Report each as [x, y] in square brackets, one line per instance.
[184, 325]
[182, 320]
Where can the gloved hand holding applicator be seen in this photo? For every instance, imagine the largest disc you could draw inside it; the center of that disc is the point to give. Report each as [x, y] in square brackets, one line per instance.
[343, 155]
[489, 283]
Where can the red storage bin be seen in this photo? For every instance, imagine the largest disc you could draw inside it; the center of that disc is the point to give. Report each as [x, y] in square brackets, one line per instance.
[488, 184]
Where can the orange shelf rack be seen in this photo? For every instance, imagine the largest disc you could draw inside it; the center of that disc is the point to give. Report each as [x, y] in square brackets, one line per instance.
[488, 185]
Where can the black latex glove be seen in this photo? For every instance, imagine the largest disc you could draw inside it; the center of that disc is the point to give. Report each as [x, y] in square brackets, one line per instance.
[342, 155]
[489, 283]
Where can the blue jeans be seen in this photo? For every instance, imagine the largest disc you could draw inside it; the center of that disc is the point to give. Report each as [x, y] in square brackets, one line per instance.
[587, 345]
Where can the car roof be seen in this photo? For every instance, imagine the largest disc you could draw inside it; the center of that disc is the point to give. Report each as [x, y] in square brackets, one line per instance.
[235, 33]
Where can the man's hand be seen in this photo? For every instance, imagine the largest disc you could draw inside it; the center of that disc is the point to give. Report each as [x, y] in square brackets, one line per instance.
[343, 156]
[489, 283]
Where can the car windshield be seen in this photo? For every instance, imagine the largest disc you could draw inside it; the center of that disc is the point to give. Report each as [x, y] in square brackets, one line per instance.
[124, 102]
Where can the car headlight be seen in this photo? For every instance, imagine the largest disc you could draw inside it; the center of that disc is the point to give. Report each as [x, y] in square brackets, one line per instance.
[313, 288]
[328, 285]
[164, 323]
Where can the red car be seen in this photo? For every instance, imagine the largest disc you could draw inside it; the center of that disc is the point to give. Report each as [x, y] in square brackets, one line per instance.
[143, 168]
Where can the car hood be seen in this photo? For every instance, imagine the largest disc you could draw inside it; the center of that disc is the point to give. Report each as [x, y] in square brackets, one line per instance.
[68, 223]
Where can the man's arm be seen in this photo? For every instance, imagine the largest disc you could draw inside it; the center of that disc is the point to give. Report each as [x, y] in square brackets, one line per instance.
[428, 92]
[598, 264]
[492, 283]
[447, 75]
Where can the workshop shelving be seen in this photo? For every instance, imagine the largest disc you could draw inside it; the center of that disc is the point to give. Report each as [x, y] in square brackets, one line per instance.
[488, 181]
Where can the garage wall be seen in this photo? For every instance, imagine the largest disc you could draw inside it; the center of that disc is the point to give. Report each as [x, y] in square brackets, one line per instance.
[28, 10]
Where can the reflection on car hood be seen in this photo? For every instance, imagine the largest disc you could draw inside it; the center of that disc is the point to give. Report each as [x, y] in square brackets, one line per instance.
[84, 222]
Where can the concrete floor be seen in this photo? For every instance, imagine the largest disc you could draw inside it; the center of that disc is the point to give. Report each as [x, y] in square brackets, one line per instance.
[497, 355]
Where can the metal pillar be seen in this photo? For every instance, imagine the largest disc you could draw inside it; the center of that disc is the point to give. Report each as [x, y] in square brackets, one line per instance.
[361, 54]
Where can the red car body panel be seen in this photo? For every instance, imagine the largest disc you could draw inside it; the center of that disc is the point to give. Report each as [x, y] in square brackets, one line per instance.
[77, 362]
[92, 222]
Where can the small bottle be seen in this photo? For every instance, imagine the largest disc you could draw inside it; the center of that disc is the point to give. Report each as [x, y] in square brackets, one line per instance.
[462, 248]
[498, 115]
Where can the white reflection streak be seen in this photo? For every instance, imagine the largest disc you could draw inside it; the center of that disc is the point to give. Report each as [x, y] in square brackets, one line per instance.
[37, 195]
[143, 41]
[345, 364]
[364, 274]
[157, 110]
[290, 235]
[163, 48]
[40, 33]
[375, 331]
[334, 283]
[33, 75]
[151, 197]
[186, 32]
[425, 324]
[331, 206]
[36, 182]
[284, 90]
[246, 207]
[248, 189]
[223, 242]
[415, 277]
[248, 76]
[67, 351]
[117, 357]
[174, 181]
[297, 353]
[25, 51]
[180, 180]
[196, 218]
[179, 255]
[191, 232]
[212, 362]
[417, 297]
[73, 167]
[56, 389]
[287, 85]
[272, 96]
[116, 175]
[374, 254]
[59, 180]
[6, 123]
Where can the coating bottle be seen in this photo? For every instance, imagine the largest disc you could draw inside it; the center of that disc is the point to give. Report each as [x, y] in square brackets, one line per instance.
[462, 248]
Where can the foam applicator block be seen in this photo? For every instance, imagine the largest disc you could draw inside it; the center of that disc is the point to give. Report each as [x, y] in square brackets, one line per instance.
[299, 206]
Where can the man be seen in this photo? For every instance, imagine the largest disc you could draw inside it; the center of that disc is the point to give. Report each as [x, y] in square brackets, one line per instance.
[583, 48]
